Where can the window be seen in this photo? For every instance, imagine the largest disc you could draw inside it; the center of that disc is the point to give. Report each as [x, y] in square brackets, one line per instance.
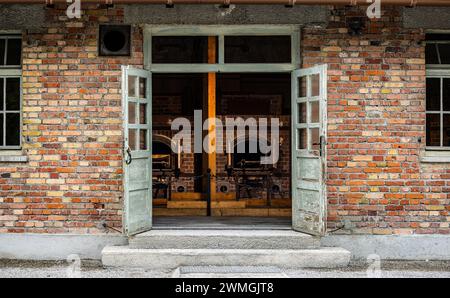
[211, 48]
[180, 49]
[438, 91]
[10, 91]
[258, 49]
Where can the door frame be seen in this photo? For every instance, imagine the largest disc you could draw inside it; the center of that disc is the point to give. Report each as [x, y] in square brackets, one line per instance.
[221, 31]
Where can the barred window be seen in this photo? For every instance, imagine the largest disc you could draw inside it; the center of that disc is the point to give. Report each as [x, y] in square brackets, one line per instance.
[438, 91]
[10, 91]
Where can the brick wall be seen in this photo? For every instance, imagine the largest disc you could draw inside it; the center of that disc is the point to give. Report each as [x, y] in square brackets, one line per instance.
[376, 111]
[376, 105]
[72, 130]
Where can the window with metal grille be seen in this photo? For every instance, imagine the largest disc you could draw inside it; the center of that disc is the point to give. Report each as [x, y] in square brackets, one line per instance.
[438, 91]
[10, 91]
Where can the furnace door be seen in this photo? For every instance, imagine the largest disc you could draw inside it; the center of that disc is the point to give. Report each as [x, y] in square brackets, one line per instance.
[136, 95]
[309, 107]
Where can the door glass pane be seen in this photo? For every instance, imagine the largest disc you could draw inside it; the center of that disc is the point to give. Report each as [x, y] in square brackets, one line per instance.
[142, 87]
[143, 113]
[433, 130]
[132, 113]
[258, 49]
[180, 49]
[446, 98]
[14, 52]
[315, 139]
[13, 94]
[143, 139]
[12, 129]
[315, 112]
[132, 86]
[2, 51]
[315, 85]
[1, 129]
[447, 130]
[431, 56]
[433, 94]
[302, 86]
[132, 139]
[302, 139]
[302, 112]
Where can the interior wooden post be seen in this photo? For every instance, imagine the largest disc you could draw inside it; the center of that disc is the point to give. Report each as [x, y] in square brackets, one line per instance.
[209, 111]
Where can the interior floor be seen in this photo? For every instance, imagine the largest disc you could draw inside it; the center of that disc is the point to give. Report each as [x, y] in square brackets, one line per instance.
[223, 222]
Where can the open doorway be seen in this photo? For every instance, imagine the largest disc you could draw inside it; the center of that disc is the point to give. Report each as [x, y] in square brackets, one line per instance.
[225, 71]
[243, 186]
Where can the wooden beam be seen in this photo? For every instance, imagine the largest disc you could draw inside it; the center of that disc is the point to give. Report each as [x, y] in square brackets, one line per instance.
[209, 111]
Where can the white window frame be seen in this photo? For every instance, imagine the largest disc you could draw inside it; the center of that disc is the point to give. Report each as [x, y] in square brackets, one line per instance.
[440, 71]
[221, 32]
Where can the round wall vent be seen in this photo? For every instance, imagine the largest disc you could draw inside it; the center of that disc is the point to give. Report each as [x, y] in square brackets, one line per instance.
[115, 40]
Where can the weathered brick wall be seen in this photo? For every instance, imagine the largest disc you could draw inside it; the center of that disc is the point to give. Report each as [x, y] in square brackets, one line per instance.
[72, 130]
[376, 111]
[376, 118]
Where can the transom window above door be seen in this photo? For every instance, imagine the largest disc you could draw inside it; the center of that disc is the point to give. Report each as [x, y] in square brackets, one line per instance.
[232, 48]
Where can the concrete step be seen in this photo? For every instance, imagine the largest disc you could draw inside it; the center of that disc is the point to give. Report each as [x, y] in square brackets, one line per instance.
[228, 272]
[169, 259]
[223, 239]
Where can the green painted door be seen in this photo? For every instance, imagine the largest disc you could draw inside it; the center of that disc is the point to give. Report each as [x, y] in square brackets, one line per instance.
[136, 97]
[309, 107]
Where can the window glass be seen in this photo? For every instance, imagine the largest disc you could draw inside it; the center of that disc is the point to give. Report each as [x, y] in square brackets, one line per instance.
[444, 53]
[143, 139]
[437, 37]
[315, 112]
[437, 50]
[142, 87]
[132, 113]
[433, 94]
[2, 51]
[258, 49]
[132, 86]
[431, 55]
[132, 139]
[180, 49]
[143, 113]
[446, 136]
[302, 112]
[2, 86]
[10, 91]
[12, 94]
[302, 141]
[433, 130]
[446, 94]
[315, 138]
[12, 129]
[14, 52]
[1, 129]
[302, 86]
[315, 85]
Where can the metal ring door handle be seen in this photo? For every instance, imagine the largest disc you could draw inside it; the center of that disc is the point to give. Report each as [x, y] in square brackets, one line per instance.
[129, 158]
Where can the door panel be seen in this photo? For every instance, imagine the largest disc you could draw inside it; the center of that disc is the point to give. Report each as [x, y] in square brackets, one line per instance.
[309, 107]
[136, 95]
